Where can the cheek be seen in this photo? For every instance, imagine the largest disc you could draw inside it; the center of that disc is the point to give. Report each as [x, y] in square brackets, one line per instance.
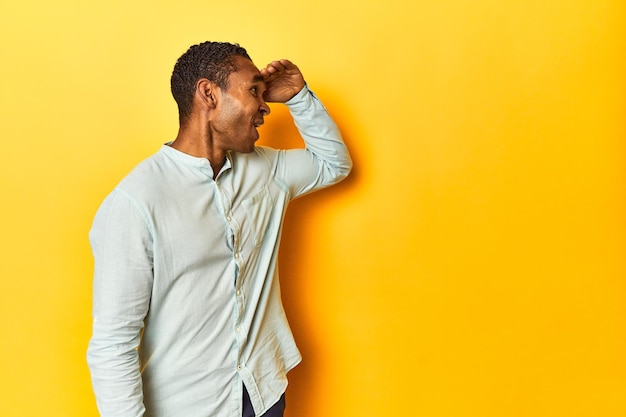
[234, 113]
[228, 119]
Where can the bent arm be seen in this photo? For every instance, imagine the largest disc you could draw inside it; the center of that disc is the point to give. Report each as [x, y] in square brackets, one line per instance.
[325, 159]
[122, 249]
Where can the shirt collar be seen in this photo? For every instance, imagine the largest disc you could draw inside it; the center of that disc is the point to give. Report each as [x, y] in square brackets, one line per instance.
[203, 164]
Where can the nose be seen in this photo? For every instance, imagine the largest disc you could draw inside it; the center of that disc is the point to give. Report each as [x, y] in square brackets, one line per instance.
[265, 109]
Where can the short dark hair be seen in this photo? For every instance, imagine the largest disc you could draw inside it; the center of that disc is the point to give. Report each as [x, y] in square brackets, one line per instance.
[211, 60]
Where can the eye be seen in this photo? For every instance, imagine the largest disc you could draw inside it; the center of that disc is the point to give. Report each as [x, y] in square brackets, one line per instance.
[254, 91]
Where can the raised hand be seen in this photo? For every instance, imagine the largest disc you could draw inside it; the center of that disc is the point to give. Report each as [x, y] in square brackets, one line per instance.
[283, 80]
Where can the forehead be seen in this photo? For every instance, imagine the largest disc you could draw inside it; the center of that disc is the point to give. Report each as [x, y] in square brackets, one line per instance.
[246, 72]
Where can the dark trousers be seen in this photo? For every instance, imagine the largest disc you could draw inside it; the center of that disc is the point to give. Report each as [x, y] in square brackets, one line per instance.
[276, 410]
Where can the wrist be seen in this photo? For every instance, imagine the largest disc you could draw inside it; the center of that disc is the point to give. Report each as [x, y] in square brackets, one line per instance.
[298, 95]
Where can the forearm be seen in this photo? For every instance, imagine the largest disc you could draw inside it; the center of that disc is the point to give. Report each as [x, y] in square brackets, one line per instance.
[114, 365]
[321, 136]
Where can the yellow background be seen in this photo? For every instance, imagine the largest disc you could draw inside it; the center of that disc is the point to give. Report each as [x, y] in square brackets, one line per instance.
[472, 265]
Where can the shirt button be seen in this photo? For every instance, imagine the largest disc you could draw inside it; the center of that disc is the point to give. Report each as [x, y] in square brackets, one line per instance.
[239, 367]
[237, 255]
[237, 329]
[238, 292]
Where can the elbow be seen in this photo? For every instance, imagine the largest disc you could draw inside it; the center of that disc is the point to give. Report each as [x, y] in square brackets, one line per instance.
[340, 171]
[345, 171]
[345, 168]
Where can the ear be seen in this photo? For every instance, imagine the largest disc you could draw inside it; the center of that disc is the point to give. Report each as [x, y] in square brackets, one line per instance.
[207, 93]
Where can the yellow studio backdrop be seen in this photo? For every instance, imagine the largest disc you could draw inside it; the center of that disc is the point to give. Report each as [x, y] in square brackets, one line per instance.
[472, 265]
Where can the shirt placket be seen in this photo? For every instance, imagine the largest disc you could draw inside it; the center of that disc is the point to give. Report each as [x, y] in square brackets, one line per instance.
[234, 244]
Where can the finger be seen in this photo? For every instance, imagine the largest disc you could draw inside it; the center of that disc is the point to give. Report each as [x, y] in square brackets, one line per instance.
[275, 66]
[267, 73]
[287, 64]
[271, 71]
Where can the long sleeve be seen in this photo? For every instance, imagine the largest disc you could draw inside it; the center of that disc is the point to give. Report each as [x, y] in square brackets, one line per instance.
[325, 159]
[122, 248]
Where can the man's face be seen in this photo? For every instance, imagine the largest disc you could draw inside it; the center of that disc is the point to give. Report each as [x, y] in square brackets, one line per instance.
[241, 108]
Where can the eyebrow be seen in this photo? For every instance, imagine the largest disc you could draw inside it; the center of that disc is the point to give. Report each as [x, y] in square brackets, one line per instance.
[258, 78]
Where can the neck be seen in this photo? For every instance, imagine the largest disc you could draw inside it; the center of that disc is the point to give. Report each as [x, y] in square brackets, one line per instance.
[196, 140]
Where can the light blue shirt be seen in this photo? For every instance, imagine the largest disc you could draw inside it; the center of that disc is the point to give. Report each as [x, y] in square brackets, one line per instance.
[186, 299]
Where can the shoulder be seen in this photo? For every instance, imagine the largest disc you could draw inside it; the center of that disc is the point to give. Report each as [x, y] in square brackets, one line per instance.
[262, 158]
[147, 178]
[144, 172]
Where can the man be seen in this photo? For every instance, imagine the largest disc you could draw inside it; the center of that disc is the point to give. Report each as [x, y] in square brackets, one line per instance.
[187, 316]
